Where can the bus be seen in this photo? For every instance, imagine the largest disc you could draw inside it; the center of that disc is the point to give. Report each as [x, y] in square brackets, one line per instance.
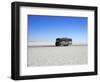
[63, 42]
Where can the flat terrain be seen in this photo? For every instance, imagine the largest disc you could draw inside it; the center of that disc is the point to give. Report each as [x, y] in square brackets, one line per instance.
[51, 55]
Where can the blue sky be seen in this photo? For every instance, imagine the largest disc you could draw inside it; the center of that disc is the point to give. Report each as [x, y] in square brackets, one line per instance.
[48, 28]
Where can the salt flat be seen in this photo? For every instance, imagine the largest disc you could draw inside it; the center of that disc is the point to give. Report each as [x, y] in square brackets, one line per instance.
[55, 56]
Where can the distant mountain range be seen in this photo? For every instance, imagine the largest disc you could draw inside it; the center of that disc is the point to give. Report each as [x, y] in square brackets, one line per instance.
[51, 43]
